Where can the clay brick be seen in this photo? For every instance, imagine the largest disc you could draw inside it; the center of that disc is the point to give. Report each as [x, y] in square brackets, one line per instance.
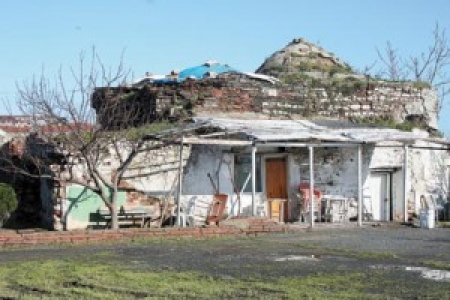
[207, 231]
[256, 228]
[13, 243]
[63, 239]
[208, 234]
[78, 238]
[140, 234]
[158, 233]
[174, 233]
[78, 242]
[112, 235]
[274, 228]
[96, 238]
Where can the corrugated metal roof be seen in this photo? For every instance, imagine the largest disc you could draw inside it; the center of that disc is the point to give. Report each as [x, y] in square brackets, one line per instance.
[304, 130]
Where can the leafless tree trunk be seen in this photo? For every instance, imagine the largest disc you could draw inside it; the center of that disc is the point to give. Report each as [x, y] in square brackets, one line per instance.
[65, 121]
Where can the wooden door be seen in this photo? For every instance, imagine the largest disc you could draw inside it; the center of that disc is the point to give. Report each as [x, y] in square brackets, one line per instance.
[276, 186]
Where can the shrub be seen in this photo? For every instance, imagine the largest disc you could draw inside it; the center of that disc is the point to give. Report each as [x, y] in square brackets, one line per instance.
[8, 200]
[295, 78]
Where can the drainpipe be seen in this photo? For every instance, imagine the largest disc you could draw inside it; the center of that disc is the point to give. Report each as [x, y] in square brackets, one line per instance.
[405, 182]
[180, 183]
[311, 184]
[360, 193]
[253, 180]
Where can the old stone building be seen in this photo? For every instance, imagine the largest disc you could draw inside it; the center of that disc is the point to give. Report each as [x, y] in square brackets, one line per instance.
[256, 134]
[302, 97]
[314, 84]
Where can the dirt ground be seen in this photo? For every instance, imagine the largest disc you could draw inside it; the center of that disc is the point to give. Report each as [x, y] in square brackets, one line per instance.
[409, 262]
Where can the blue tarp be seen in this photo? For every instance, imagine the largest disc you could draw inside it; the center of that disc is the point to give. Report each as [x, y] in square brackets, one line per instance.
[199, 72]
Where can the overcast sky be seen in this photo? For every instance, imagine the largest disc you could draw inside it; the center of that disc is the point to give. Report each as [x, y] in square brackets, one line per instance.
[160, 35]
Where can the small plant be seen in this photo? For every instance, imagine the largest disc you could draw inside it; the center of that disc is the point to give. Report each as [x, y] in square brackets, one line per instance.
[388, 123]
[135, 133]
[295, 78]
[8, 201]
[421, 85]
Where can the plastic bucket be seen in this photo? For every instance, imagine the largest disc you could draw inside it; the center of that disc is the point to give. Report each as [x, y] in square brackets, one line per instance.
[427, 218]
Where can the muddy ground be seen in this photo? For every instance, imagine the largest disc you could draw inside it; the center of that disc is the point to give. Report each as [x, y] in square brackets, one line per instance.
[410, 262]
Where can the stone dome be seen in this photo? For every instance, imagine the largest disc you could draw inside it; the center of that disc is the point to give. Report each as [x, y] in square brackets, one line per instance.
[302, 57]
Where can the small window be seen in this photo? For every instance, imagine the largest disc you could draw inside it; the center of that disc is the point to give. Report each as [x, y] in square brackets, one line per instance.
[243, 170]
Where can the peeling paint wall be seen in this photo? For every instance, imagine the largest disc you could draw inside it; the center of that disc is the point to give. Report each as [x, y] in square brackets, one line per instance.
[198, 188]
[156, 171]
[428, 172]
[81, 205]
[335, 174]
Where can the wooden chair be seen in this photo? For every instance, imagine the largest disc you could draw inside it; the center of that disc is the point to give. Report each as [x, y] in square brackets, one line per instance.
[217, 208]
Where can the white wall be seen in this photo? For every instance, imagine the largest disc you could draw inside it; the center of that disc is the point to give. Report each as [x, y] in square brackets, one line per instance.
[198, 188]
[426, 173]
[335, 171]
[335, 174]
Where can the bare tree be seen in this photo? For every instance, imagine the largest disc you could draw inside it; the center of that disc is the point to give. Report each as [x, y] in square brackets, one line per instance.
[430, 66]
[395, 69]
[65, 121]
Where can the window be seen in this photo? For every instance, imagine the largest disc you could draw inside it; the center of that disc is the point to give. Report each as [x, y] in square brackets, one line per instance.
[243, 171]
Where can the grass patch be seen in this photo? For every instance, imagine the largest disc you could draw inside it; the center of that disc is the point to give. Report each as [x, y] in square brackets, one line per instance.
[437, 264]
[75, 280]
[65, 279]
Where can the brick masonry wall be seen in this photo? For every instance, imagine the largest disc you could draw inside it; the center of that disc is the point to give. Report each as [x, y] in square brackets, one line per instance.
[236, 93]
[24, 239]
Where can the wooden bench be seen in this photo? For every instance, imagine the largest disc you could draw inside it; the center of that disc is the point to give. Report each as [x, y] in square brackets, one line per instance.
[134, 217]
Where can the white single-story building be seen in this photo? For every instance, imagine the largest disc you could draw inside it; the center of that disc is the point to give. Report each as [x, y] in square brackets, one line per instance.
[364, 173]
[268, 167]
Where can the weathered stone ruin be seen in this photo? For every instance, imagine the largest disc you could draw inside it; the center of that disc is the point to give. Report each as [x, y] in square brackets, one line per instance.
[313, 84]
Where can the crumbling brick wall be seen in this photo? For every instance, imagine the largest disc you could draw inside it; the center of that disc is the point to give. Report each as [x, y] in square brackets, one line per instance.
[238, 93]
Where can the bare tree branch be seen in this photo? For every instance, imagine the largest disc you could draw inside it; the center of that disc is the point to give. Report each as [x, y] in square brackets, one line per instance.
[430, 66]
[66, 122]
[392, 63]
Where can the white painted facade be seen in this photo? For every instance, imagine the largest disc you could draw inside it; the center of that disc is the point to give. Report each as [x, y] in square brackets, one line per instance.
[335, 173]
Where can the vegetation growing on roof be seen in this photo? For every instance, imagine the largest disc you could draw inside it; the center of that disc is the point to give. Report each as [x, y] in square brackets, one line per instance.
[135, 133]
[388, 123]
[421, 85]
[300, 60]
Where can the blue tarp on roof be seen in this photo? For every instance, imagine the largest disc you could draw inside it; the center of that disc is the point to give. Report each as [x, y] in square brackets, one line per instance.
[199, 72]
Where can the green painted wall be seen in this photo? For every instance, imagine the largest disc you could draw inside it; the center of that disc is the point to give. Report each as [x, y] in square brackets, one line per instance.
[83, 203]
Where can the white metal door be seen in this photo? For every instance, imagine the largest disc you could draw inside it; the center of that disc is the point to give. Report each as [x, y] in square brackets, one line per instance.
[380, 195]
